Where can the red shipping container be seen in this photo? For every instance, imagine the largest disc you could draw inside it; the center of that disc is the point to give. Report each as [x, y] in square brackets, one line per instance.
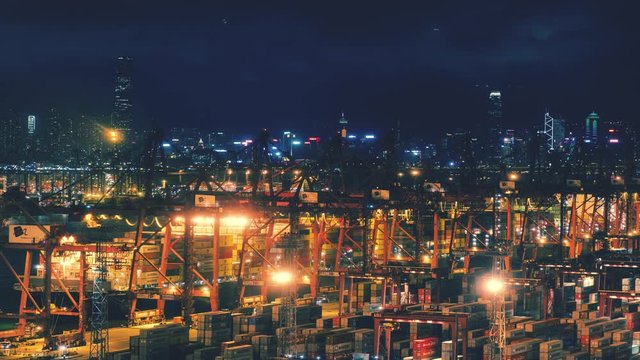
[424, 354]
[426, 343]
[225, 252]
[584, 340]
[336, 322]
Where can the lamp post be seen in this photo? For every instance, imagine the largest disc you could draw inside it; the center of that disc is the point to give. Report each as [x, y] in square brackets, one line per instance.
[496, 287]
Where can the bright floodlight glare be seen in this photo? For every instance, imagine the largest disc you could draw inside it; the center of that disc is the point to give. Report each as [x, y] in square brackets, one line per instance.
[495, 285]
[113, 135]
[282, 277]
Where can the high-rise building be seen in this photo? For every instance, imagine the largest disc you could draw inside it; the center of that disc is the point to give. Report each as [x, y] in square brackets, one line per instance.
[507, 147]
[31, 124]
[123, 107]
[60, 137]
[32, 150]
[11, 137]
[493, 130]
[554, 129]
[495, 108]
[343, 125]
[89, 138]
[591, 128]
[559, 130]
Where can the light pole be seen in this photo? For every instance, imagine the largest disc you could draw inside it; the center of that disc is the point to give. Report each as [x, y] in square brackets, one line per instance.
[286, 280]
[496, 287]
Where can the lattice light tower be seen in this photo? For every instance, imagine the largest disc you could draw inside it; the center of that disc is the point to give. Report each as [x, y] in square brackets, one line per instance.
[548, 130]
[289, 245]
[99, 343]
[496, 286]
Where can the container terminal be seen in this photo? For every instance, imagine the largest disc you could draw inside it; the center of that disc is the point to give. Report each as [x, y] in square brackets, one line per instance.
[318, 260]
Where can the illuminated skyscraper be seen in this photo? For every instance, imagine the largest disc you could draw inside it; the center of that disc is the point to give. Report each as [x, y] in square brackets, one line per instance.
[343, 124]
[591, 128]
[123, 108]
[495, 108]
[559, 129]
[494, 126]
[31, 124]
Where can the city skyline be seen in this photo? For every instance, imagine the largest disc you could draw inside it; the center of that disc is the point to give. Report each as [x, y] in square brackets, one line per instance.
[430, 59]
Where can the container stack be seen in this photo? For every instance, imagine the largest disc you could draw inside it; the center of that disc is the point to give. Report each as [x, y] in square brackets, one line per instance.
[579, 355]
[297, 344]
[596, 336]
[205, 353]
[401, 349]
[339, 344]
[368, 292]
[264, 346]
[477, 338]
[447, 349]
[584, 287]
[541, 328]
[316, 340]
[356, 322]
[214, 327]
[242, 352]
[305, 314]
[477, 313]
[147, 276]
[631, 314]
[325, 323]
[363, 341]
[629, 284]
[551, 350]
[427, 348]
[255, 324]
[525, 349]
[622, 341]
[157, 342]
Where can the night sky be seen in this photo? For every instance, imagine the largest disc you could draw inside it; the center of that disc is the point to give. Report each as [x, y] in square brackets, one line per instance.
[243, 65]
